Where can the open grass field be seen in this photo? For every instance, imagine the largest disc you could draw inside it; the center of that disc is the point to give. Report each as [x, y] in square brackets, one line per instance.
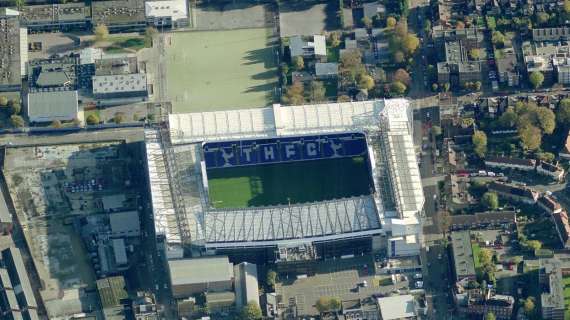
[220, 70]
[294, 182]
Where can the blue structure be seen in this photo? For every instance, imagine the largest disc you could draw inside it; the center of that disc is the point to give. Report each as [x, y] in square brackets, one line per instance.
[286, 149]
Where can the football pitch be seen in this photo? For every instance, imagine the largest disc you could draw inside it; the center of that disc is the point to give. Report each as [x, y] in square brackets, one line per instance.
[220, 70]
[291, 182]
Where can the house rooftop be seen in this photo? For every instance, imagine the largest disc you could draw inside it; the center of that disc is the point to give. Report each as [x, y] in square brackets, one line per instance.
[462, 254]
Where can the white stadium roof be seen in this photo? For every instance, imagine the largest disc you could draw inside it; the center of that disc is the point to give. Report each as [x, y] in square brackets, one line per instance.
[387, 124]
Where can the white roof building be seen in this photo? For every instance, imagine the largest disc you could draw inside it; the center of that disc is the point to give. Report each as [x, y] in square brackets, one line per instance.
[397, 307]
[388, 128]
[173, 9]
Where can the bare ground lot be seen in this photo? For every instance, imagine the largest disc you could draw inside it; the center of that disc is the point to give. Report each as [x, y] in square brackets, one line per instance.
[242, 14]
[300, 17]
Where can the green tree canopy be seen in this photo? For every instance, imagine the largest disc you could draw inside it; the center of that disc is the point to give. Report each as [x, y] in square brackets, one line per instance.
[531, 137]
[271, 278]
[3, 101]
[546, 119]
[436, 131]
[490, 316]
[15, 107]
[325, 304]
[479, 140]
[474, 54]
[367, 22]
[92, 119]
[567, 6]
[490, 200]
[534, 245]
[410, 43]
[528, 306]
[56, 124]
[251, 311]
[509, 118]
[563, 114]
[498, 38]
[491, 23]
[17, 121]
[398, 88]
[334, 39]
[536, 78]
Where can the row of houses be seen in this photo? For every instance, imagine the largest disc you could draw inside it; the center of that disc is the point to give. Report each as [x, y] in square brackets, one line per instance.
[551, 170]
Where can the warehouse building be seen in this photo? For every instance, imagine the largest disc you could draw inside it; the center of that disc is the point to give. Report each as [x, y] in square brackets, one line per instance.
[193, 276]
[13, 51]
[52, 105]
[120, 86]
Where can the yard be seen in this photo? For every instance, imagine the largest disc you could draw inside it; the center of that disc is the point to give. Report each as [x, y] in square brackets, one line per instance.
[220, 70]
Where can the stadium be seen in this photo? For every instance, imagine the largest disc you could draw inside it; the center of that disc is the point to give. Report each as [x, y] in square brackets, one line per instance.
[340, 178]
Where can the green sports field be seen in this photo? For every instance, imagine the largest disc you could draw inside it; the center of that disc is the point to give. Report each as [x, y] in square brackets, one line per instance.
[292, 182]
[220, 70]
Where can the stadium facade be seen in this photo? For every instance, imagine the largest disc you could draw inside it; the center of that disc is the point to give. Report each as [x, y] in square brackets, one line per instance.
[179, 154]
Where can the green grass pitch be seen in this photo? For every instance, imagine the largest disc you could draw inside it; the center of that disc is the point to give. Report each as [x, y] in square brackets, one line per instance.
[292, 182]
[221, 70]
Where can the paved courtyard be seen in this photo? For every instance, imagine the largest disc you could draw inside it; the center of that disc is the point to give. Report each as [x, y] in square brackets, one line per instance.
[306, 18]
[237, 15]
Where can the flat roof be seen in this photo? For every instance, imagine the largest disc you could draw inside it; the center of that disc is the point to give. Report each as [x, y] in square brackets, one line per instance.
[53, 105]
[10, 50]
[397, 307]
[118, 12]
[120, 83]
[177, 9]
[111, 291]
[124, 221]
[200, 270]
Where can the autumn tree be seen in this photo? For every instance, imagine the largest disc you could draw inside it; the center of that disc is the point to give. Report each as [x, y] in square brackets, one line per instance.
[318, 91]
[403, 76]
[294, 94]
[410, 43]
[101, 32]
[391, 22]
[474, 54]
[398, 88]
[367, 22]
[92, 119]
[17, 121]
[334, 39]
[298, 63]
[251, 311]
[56, 124]
[3, 101]
[366, 82]
[479, 140]
[528, 306]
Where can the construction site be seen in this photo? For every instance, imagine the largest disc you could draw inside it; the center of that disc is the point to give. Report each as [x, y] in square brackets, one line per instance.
[77, 208]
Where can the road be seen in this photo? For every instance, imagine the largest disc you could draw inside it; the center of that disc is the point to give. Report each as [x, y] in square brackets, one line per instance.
[24, 139]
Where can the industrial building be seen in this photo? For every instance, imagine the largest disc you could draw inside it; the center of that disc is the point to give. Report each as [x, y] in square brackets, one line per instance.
[55, 17]
[167, 14]
[52, 105]
[17, 299]
[13, 51]
[120, 86]
[119, 15]
[192, 276]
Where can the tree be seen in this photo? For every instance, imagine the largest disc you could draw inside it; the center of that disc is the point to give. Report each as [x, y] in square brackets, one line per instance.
[434, 87]
[3, 101]
[491, 23]
[367, 22]
[474, 54]
[427, 26]
[56, 124]
[536, 78]
[490, 200]
[325, 304]
[101, 32]
[294, 94]
[334, 39]
[542, 18]
[446, 87]
[251, 311]
[410, 43]
[567, 6]
[391, 22]
[398, 56]
[460, 25]
[149, 34]
[485, 257]
[343, 98]
[479, 140]
[403, 76]
[398, 88]
[318, 91]
[19, 3]
[498, 38]
[509, 118]
[271, 278]
[563, 115]
[534, 245]
[490, 316]
[530, 136]
[298, 63]
[92, 119]
[15, 107]
[17, 121]
[366, 82]
[528, 306]
[119, 118]
[401, 29]
[545, 156]
[546, 119]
